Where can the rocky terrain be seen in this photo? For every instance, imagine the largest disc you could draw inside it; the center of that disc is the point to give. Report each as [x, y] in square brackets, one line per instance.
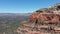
[42, 21]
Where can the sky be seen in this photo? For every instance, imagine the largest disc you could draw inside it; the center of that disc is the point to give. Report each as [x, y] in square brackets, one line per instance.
[24, 6]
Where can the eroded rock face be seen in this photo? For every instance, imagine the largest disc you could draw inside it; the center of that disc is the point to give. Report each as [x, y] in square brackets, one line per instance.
[44, 21]
[51, 17]
[48, 14]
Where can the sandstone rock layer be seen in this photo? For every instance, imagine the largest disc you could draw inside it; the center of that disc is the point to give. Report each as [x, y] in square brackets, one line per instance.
[43, 21]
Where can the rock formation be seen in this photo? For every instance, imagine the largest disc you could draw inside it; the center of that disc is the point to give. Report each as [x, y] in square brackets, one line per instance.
[51, 14]
[43, 21]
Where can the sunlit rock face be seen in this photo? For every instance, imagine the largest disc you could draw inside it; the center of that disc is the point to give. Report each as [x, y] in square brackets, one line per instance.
[42, 17]
[51, 14]
[43, 21]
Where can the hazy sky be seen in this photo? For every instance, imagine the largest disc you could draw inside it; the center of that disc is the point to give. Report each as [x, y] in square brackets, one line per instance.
[24, 6]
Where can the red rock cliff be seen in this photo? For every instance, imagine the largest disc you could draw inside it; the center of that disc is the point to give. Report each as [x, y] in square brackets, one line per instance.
[51, 14]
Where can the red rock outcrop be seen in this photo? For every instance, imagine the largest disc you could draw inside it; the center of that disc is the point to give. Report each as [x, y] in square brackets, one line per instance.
[42, 17]
[51, 15]
[44, 21]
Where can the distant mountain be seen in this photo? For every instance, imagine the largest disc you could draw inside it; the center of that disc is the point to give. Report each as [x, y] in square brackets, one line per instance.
[15, 14]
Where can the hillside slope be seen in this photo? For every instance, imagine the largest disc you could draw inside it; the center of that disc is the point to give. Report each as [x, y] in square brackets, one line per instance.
[43, 21]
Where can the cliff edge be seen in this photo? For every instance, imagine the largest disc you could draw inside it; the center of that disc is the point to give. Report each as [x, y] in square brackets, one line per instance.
[42, 21]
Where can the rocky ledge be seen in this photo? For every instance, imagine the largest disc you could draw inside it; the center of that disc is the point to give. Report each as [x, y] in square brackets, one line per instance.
[42, 21]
